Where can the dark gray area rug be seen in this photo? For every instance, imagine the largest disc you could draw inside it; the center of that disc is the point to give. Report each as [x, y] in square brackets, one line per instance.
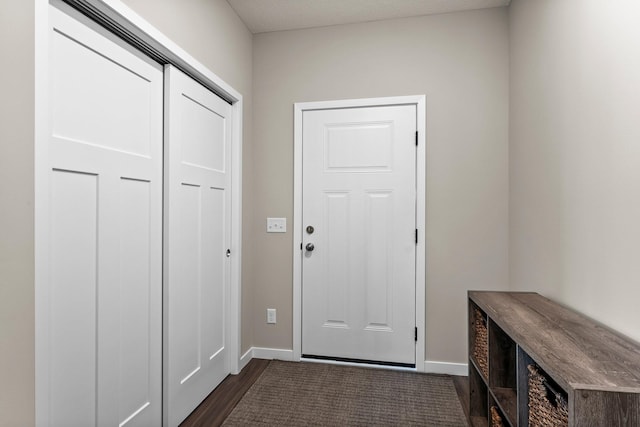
[303, 394]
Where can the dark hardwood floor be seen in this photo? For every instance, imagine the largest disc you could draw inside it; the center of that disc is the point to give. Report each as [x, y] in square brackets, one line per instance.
[218, 405]
[462, 388]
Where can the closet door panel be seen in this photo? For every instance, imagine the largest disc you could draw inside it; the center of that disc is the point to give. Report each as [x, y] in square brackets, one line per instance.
[197, 235]
[199, 123]
[213, 205]
[184, 302]
[73, 308]
[135, 290]
[108, 83]
[105, 303]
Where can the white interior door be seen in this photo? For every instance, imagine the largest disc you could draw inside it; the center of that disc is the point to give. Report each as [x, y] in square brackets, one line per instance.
[104, 302]
[197, 236]
[358, 268]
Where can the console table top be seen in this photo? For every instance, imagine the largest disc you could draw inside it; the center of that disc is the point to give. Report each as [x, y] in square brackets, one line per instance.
[578, 352]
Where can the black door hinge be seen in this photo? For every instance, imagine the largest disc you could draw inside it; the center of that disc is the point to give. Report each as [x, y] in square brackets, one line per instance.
[416, 236]
[416, 138]
[415, 336]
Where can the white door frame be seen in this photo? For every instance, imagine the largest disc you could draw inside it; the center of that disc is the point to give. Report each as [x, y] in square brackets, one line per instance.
[299, 108]
[126, 18]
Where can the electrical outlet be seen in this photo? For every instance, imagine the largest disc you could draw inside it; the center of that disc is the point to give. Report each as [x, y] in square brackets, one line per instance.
[271, 315]
[276, 225]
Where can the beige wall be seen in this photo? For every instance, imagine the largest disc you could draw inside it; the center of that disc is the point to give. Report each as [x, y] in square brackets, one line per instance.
[460, 61]
[575, 155]
[212, 33]
[17, 387]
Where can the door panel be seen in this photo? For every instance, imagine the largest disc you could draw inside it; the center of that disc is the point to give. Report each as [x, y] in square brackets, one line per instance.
[86, 74]
[185, 303]
[379, 260]
[136, 315]
[105, 151]
[359, 193]
[198, 124]
[197, 203]
[337, 258]
[213, 238]
[73, 281]
[358, 147]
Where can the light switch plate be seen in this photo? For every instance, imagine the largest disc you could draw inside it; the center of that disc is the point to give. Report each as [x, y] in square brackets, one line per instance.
[271, 315]
[276, 225]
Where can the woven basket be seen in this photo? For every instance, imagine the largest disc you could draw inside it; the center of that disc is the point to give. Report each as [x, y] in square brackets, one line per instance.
[547, 406]
[480, 345]
[496, 419]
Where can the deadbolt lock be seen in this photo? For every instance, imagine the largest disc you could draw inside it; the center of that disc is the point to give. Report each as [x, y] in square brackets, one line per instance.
[310, 229]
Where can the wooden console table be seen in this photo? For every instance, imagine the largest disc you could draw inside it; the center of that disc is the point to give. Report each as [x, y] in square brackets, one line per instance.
[537, 362]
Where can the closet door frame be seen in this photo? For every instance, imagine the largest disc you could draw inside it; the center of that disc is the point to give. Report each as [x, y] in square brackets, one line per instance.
[121, 16]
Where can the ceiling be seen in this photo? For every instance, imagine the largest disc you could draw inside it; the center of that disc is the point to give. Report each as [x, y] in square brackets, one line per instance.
[262, 16]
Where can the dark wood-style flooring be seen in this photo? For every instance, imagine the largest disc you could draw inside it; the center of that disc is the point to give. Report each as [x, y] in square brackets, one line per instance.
[218, 405]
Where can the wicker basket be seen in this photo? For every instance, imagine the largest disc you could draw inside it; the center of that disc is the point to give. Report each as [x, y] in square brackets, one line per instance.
[480, 345]
[496, 419]
[547, 406]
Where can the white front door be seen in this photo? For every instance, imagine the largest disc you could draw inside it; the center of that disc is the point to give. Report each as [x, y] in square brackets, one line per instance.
[359, 222]
[102, 316]
[197, 236]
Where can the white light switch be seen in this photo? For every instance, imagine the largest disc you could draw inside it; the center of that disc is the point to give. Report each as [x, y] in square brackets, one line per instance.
[276, 225]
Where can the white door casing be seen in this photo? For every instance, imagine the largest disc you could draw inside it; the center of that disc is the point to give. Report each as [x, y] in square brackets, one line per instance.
[197, 236]
[300, 234]
[359, 195]
[104, 306]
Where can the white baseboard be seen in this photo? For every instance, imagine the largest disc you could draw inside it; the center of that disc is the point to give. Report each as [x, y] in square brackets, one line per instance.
[272, 353]
[430, 367]
[458, 369]
[245, 359]
[264, 353]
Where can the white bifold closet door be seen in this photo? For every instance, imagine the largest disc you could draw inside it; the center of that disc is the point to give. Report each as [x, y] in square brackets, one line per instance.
[104, 281]
[197, 236]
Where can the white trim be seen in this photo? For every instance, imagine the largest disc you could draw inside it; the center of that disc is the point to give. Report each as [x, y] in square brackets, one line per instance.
[421, 224]
[429, 367]
[123, 15]
[234, 319]
[421, 163]
[297, 231]
[41, 211]
[359, 103]
[245, 359]
[272, 353]
[448, 368]
[117, 11]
